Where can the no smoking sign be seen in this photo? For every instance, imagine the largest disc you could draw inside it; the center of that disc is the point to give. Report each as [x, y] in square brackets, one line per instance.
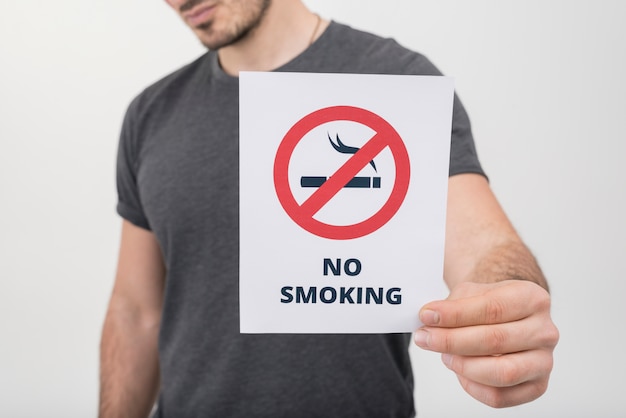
[327, 188]
[342, 200]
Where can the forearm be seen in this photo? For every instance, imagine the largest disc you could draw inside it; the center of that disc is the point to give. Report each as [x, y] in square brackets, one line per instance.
[508, 261]
[129, 376]
[481, 244]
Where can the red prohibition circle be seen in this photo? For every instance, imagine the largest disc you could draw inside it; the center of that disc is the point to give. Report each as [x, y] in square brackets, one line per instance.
[302, 214]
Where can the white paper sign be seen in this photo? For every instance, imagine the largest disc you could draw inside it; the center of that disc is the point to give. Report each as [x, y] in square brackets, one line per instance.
[343, 186]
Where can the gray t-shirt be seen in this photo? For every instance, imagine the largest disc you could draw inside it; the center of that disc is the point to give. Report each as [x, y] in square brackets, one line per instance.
[177, 176]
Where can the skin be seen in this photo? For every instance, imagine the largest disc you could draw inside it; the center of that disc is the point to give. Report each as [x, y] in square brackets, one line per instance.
[494, 330]
[218, 24]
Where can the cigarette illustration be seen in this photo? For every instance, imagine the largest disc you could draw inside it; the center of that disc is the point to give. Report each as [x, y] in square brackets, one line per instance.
[355, 183]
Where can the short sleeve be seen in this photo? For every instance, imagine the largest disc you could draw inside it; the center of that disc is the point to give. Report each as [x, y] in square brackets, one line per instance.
[463, 156]
[129, 204]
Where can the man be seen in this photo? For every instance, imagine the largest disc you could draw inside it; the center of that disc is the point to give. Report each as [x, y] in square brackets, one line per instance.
[178, 185]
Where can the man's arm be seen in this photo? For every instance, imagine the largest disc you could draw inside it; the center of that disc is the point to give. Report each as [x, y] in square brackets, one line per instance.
[494, 330]
[129, 374]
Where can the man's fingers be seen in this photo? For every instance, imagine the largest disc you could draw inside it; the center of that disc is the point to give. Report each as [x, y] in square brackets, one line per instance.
[473, 341]
[507, 396]
[476, 305]
[502, 371]
[483, 340]
[498, 338]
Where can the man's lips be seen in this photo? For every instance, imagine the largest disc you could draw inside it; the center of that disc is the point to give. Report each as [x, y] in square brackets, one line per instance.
[199, 15]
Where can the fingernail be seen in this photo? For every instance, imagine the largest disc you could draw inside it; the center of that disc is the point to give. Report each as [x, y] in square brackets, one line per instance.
[429, 317]
[447, 360]
[422, 337]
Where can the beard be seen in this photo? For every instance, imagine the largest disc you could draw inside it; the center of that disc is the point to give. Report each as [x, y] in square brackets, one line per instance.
[245, 17]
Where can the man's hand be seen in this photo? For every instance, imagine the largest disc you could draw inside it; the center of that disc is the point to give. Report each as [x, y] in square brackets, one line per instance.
[497, 337]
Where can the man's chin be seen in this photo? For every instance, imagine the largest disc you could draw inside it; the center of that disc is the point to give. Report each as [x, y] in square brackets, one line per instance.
[215, 42]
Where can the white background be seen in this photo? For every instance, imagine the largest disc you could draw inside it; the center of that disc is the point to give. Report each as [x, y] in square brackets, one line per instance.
[543, 83]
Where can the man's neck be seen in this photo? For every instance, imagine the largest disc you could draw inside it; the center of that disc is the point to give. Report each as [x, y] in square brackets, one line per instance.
[286, 30]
